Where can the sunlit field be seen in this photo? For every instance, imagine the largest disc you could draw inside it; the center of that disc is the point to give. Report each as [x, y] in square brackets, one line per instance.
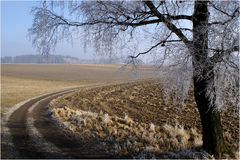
[23, 81]
[93, 73]
[15, 90]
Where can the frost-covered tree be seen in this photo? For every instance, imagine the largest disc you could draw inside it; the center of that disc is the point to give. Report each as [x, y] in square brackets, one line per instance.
[198, 39]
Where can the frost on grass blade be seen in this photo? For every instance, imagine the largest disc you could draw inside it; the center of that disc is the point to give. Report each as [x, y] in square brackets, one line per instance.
[124, 136]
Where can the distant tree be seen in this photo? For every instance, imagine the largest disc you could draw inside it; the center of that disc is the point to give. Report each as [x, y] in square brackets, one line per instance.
[40, 59]
[200, 37]
[7, 59]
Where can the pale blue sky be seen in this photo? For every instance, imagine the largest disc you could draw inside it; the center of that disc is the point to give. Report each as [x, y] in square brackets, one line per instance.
[16, 20]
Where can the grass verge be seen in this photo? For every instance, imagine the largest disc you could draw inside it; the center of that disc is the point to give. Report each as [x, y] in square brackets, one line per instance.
[15, 90]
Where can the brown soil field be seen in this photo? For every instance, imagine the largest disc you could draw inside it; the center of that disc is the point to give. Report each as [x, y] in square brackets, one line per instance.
[23, 81]
[143, 103]
[88, 73]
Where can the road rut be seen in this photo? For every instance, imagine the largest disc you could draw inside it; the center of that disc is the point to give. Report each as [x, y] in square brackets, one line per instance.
[51, 140]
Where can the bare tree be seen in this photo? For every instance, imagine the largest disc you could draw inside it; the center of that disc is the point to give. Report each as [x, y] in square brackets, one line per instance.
[199, 36]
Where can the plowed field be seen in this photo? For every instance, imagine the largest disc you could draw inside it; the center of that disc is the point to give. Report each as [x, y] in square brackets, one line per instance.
[143, 102]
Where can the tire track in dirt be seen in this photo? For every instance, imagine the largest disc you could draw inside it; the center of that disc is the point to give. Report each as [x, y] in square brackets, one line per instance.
[50, 150]
[68, 144]
[34, 135]
[19, 136]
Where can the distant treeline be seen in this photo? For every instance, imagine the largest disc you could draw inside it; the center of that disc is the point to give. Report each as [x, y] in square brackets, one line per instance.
[58, 59]
[39, 59]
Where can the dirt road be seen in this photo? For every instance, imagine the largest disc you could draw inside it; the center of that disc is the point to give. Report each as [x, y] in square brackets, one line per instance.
[28, 132]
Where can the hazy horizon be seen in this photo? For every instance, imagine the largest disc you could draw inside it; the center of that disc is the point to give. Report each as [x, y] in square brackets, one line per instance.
[16, 19]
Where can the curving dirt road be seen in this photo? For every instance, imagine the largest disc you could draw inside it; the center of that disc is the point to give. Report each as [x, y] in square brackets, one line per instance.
[28, 132]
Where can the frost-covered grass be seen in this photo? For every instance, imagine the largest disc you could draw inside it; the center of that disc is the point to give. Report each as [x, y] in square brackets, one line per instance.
[124, 136]
[144, 103]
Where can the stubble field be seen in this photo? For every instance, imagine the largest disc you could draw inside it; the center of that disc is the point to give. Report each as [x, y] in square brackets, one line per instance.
[23, 81]
[134, 118]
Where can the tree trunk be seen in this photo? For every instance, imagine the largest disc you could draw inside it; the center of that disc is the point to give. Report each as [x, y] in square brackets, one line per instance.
[203, 75]
[212, 131]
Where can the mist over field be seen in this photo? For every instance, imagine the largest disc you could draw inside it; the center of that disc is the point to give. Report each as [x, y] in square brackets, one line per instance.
[60, 59]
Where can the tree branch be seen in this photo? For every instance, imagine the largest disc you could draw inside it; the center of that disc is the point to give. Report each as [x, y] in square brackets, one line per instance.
[219, 54]
[227, 21]
[159, 43]
[115, 21]
[186, 29]
[168, 23]
[227, 14]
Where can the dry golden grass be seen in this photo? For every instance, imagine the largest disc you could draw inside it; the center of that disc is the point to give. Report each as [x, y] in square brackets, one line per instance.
[125, 136]
[15, 90]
